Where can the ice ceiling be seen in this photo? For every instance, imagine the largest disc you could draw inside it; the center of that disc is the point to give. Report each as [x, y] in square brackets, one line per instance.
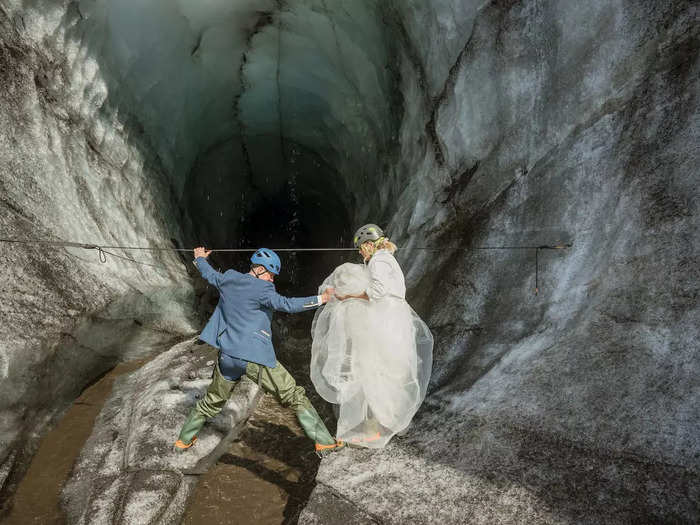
[255, 108]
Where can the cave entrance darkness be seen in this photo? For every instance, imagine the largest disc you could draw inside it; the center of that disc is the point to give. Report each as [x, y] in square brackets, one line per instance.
[271, 118]
[296, 209]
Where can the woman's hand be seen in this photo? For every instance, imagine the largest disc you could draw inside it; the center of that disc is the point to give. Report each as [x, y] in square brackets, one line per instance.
[363, 295]
[201, 252]
[327, 295]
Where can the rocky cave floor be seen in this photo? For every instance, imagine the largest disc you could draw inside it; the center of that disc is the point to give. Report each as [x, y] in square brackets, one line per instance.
[267, 470]
[265, 475]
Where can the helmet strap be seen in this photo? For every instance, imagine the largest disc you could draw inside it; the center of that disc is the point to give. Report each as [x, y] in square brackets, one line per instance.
[259, 274]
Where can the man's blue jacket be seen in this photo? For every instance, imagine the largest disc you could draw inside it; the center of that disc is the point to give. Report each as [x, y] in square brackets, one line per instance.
[240, 324]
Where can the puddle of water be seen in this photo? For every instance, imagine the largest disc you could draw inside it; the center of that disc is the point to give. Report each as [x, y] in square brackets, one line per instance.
[37, 497]
[265, 478]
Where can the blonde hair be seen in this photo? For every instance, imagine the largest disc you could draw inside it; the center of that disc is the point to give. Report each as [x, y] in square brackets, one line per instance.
[380, 244]
[384, 244]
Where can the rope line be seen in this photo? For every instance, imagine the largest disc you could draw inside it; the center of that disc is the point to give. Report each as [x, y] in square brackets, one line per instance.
[103, 259]
[102, 250]
[90, 246]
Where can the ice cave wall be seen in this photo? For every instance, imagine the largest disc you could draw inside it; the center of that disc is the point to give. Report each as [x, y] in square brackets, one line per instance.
[536, 123]
[458, 124]
[557, 124]
[73, 168]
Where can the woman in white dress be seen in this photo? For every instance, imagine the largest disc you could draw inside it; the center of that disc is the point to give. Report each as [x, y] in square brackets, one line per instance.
[371, 353]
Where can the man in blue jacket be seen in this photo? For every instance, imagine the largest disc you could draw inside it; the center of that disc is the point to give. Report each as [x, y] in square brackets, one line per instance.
[240, 329]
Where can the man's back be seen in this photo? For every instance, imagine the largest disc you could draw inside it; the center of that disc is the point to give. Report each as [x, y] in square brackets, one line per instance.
[241, 323]
[241, 298]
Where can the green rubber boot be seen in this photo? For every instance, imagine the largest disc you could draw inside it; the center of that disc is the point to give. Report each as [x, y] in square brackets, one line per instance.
[316, 430]
[193, 424]
[279, 382]
[313, 426]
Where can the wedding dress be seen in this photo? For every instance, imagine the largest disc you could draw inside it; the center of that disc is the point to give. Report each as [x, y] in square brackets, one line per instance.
[371, 358]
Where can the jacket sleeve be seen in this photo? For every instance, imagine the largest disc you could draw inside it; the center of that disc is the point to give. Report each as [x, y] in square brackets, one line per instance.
[380, 272]
[292, 305]
[210, 274]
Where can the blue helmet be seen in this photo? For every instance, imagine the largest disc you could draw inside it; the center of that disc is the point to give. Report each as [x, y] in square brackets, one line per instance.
[267, 258]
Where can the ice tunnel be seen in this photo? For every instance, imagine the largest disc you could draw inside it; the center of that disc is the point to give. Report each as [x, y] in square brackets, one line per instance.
[457, 125]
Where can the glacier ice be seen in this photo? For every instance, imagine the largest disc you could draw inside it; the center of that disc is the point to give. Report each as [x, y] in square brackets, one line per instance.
[456, 124]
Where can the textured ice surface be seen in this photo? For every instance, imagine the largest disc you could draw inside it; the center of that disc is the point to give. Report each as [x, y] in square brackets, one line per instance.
[128, 467]
[260, 76]
[456, 123]
[553, 123]
[74, 169]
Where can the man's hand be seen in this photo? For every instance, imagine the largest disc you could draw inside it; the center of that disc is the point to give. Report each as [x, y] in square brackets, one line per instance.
[327, 295]
[201, 252]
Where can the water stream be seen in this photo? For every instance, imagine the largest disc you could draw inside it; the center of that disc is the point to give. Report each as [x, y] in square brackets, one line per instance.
[38, 497]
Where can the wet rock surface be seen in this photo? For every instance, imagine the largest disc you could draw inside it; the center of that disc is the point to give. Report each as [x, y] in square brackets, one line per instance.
[474, 470]
[329, 506]
[128, 470]
[58, 451]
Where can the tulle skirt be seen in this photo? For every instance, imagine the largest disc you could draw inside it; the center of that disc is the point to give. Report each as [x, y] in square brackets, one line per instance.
[373, 359]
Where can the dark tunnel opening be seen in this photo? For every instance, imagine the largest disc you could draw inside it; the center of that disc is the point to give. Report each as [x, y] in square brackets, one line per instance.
[305, 206]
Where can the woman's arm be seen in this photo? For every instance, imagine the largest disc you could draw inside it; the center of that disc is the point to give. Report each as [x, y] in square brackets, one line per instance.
[380, 272]
[363, 295]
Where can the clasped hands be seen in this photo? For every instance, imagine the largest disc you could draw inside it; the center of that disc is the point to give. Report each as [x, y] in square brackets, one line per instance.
[330, 293]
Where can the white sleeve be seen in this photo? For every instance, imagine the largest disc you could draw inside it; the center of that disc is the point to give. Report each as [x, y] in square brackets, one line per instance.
[380, 273]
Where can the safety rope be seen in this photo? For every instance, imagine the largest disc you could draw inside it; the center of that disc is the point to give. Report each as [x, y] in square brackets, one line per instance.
[102, 250]
[91, 246]
[103, 259]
